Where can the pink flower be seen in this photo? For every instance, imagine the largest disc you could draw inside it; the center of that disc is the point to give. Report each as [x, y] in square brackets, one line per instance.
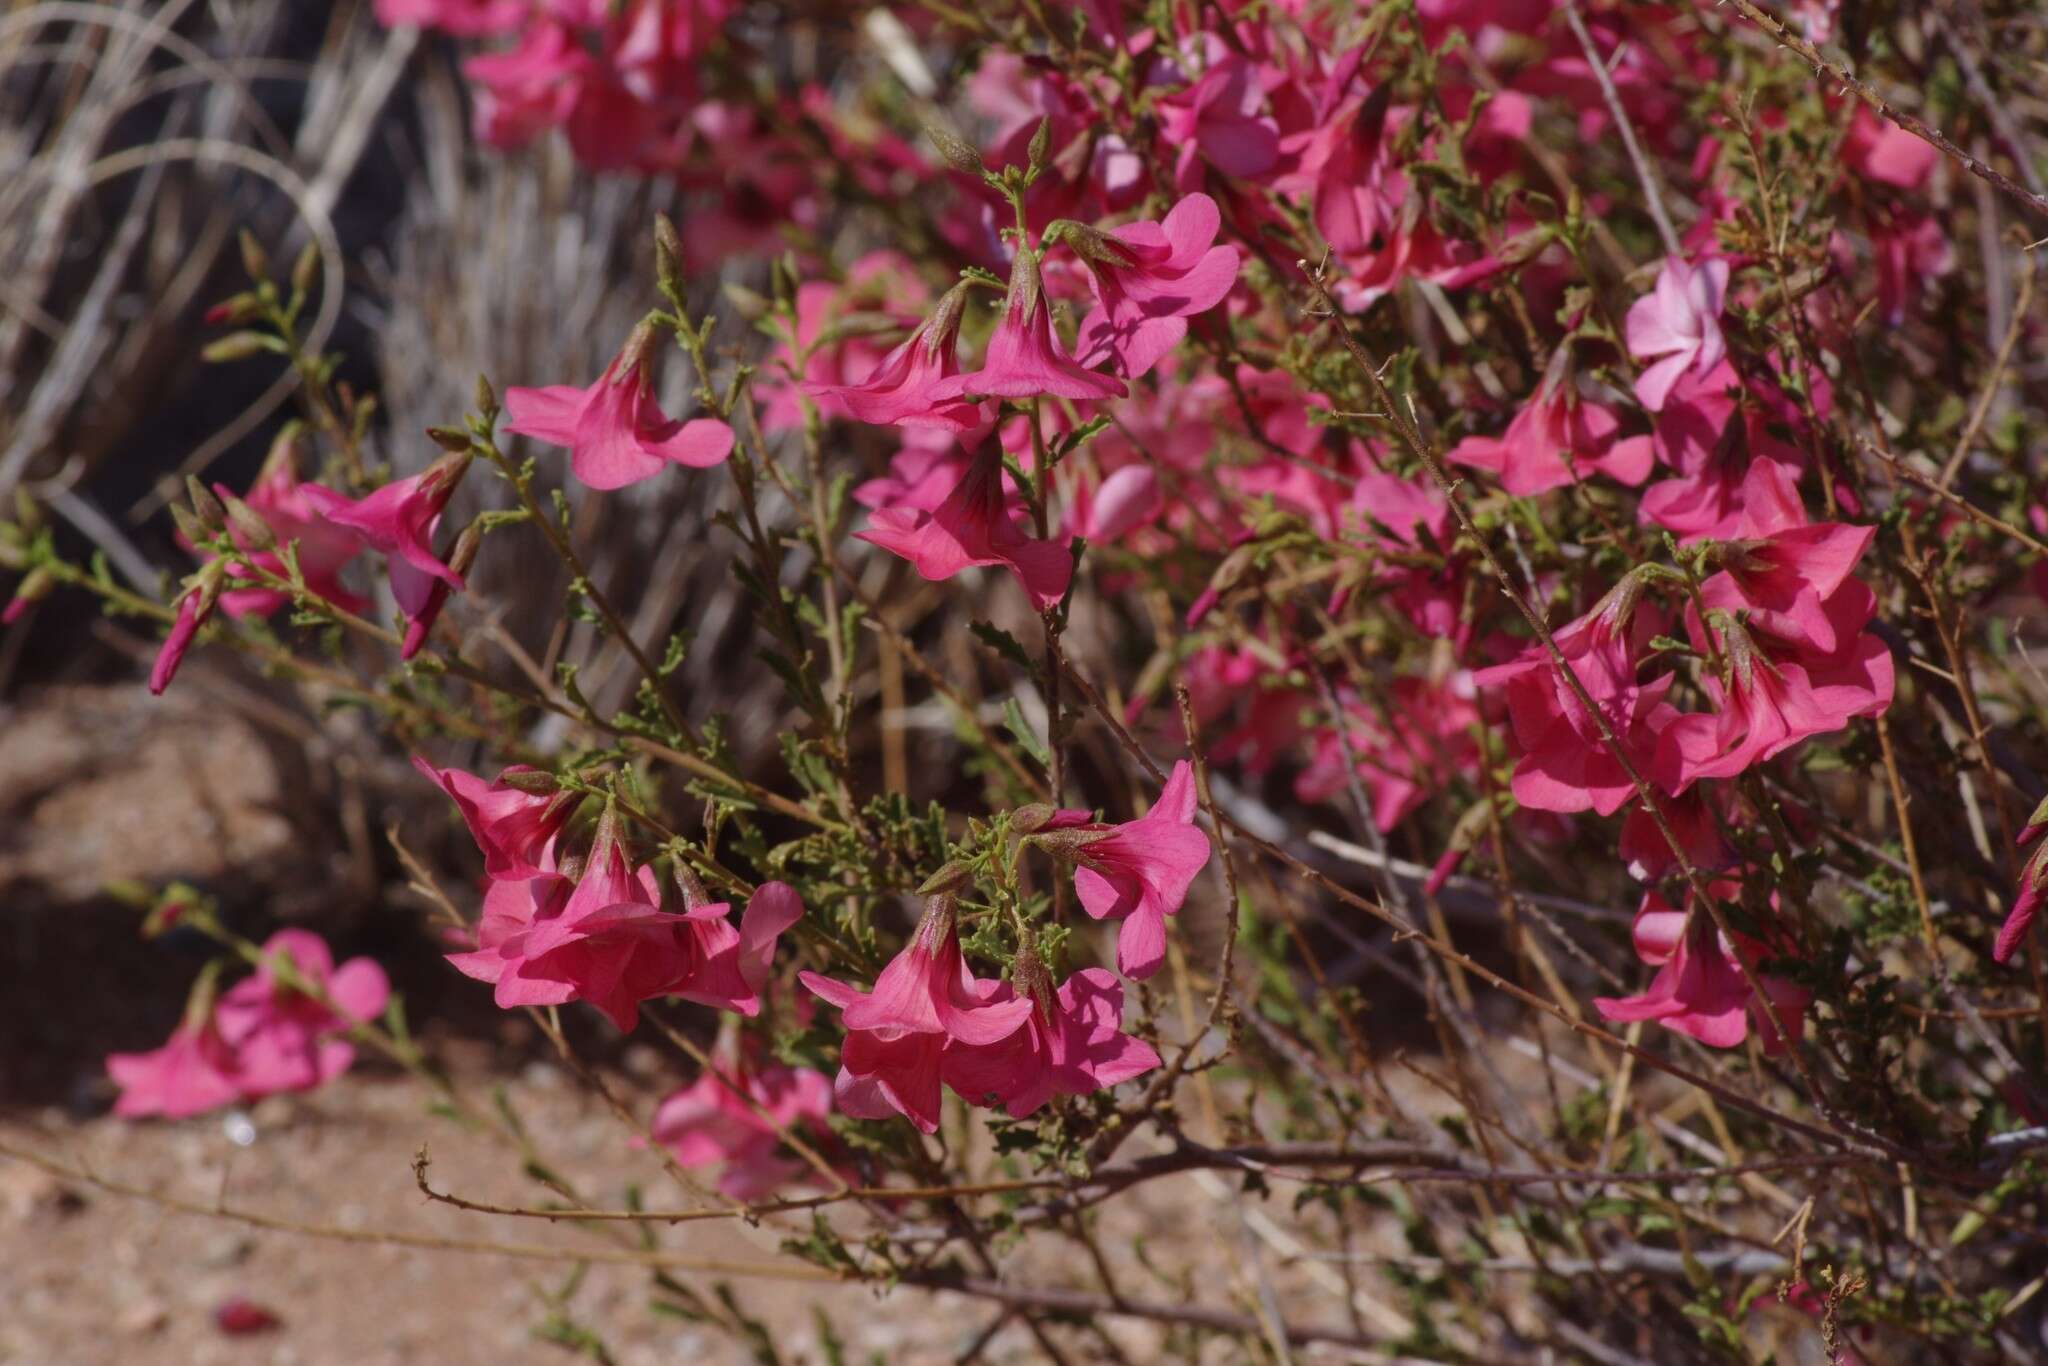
[608, 942]
[1423, 742]
[1777, 691]
[1128, 499]
[902, 389]
[193, 609]
[263, 1036]
[1221, 118]
[514, 828]
[973, 526]
[324, 550]
[399, 521]
[1679, 322]
[193, 1072]
[926, 995]
[1139, 872]
[281, 1036]
[1072, 1043]
[711, 1121]
[615, 430]
[1149, 279]
[1783, 571]
[2026, 906]
[1556, 439]
[1024, 358]
[1565, 764]
[1699, 989]
[1878, 149]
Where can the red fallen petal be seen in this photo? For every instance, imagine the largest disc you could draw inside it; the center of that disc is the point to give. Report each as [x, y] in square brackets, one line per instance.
[239, 1318]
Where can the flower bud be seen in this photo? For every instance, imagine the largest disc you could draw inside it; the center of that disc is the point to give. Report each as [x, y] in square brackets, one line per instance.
[668, 255]
[463, 557]
[953, 150]
[537, 782]
[950, 878]
[238, 309]
[691, 886]
[1092, 245]
[250, 529]
[449, 438]
[283, 455]
[444, 474]
[26, 514]
[1041, 145]
[27, 593]
[211, 514]
[235, 346]
[189, 527]
[486, 398]
[1029, 820]
[255, 260]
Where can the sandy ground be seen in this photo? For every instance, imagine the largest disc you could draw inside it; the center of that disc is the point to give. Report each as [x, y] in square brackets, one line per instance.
[96, 1277]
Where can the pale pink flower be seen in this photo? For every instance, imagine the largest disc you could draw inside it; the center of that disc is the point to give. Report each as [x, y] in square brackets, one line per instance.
[616, 432]
[1149, 279]
[1025, 358]
[1678, 326]
[719, 1119]
[1072, 1043]
[903, 388]
[1138, 872]
[514, 828]
[974, 525]
[399, 521]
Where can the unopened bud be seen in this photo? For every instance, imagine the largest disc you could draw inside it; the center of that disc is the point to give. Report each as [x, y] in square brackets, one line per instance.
[283, 456]
[635, 353]
[164, 916]
[486, 398]
[235, 346]
[449, 438]
[27, 514]
[189, 526]
[1041, 145]
[463, 557]
[250, 529]
[536, 782]
[444, 474]
[750, 304]
[691, 886]
[1029, 820]
[13, 554]
[238, 309]
[668, 255]
[953, 150]
[306, 270]
[1523, 247]
[255, 260]
[950, 878]
[211, 514]
[30, 591]
[1091, 244]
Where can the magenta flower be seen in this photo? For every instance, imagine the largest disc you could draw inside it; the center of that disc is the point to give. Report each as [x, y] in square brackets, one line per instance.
[263, 1036]
[282, 1037]
[710, 1121]
[193, 1072]
[1783, 572]
[616, 432]
[975, 525]
[514, 828]
[1557, 439]
[399, 521]
[1139, 872]
[1420, 745]
[1025, 359]
[1072, 1043]
[1124, 501]
[1699, 989]
[926, 996]
[607, 941]
[1678, 326]
[903, 388]
[324, 550]
[2026, 906]
[1221, 118]
[193, 609]
[1565, 764]
[1149, 279]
